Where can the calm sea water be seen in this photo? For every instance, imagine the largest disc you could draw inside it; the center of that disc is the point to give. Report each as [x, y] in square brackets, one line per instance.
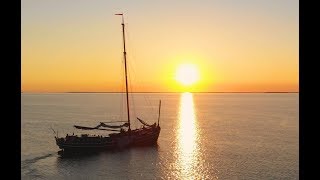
[203, 136]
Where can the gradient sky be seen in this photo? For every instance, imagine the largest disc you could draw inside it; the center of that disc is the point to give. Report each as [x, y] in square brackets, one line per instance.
[237, 45]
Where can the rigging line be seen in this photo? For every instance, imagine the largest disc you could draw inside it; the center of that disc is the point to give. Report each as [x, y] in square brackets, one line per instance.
[53, 130]
[133, 62]
[130, 47]
[132, 80]
[123, 93]
[131, 71]
[131, 65]
[122, 89]
[131, 94]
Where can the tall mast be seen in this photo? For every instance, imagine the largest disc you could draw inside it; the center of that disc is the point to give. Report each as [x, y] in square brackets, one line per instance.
[125, 67]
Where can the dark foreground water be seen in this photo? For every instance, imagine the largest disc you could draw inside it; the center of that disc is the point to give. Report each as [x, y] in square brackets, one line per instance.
[203, 136]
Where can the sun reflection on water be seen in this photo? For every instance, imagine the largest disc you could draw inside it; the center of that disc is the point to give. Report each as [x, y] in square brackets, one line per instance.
[188, 153]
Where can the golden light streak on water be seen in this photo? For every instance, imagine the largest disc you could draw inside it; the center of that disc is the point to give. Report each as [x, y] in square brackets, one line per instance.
[188, 157]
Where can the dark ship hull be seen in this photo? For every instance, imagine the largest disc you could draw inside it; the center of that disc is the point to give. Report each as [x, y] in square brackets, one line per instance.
[138, 137]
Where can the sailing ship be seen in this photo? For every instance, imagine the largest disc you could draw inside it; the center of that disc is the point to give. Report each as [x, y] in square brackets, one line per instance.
[124, 137]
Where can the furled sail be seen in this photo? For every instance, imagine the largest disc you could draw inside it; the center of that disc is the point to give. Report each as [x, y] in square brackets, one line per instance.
[84, 128]
[113, 126]
[102, 125]
[144, 123]
[90, 128]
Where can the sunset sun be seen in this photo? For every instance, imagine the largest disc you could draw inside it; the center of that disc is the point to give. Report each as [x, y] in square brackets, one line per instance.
[187, 74]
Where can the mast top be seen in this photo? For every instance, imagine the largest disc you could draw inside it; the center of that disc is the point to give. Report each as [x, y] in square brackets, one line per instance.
[121, 14]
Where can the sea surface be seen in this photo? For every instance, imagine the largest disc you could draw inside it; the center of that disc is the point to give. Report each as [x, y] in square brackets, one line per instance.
[203, 136]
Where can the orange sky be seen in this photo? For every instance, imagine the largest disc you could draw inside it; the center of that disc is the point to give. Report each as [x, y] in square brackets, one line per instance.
[237, 46]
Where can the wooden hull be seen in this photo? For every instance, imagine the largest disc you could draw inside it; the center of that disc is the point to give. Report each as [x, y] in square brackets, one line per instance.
[146, 139]
[140, 137]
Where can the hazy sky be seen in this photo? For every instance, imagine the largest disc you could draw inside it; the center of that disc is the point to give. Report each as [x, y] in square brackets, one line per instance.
[237, 45]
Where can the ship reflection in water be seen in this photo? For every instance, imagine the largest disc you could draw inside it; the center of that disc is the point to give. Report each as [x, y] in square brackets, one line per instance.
[188, 153]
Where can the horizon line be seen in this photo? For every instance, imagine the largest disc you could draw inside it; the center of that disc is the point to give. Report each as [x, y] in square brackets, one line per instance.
[171, 92]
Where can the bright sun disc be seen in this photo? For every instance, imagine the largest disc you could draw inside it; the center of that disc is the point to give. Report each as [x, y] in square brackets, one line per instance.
[187, 74]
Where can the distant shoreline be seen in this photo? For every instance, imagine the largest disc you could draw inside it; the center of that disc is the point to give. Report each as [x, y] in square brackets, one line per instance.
[153, 92]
